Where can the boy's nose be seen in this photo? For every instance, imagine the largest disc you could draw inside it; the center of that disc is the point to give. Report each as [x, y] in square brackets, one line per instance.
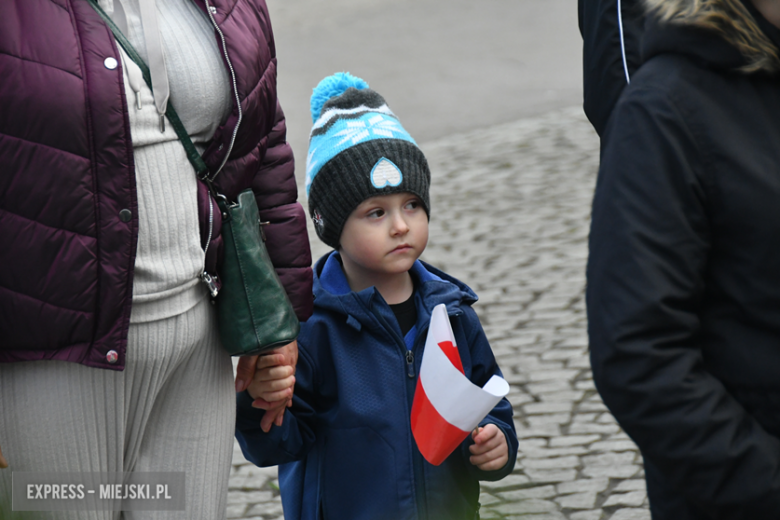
[400, 226]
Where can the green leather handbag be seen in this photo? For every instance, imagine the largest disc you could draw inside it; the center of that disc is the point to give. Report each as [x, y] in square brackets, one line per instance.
[253, 311]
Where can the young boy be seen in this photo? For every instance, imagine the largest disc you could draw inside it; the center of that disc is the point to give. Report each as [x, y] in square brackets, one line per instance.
[346, 444]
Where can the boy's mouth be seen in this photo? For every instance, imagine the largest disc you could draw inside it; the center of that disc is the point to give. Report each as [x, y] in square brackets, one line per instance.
[401, 248]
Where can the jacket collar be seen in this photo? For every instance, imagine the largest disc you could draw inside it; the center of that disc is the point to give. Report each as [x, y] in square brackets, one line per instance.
[432, 287]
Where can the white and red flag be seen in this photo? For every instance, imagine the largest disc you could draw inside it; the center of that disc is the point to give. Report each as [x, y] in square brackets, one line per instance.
[447, 406]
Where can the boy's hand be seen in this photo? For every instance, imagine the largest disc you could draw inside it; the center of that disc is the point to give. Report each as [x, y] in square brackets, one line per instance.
[3, 462]
[268, 377]
[489, 451]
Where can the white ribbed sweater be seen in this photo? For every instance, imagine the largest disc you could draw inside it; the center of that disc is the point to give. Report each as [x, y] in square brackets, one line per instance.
[169, 257]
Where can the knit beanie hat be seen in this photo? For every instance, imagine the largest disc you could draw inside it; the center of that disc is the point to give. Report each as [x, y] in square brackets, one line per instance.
[357, 150]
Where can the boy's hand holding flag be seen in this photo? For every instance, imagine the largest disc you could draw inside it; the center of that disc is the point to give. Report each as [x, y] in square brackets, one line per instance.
[447, 405]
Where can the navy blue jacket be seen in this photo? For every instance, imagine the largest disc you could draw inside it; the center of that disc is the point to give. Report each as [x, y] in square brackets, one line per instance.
[349, 431]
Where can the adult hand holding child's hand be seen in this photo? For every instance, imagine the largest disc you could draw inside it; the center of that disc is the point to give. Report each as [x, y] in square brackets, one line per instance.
[489, 451]
[269, 379]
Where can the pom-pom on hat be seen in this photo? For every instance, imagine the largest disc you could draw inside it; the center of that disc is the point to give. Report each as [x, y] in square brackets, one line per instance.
[357, 150]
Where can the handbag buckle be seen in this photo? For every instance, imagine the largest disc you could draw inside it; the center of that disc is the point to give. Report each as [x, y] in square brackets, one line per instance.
[211, 283]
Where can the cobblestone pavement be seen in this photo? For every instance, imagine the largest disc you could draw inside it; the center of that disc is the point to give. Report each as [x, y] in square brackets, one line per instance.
[510, 214]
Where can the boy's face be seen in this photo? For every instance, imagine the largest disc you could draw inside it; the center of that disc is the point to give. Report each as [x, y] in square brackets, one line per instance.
[384, 235]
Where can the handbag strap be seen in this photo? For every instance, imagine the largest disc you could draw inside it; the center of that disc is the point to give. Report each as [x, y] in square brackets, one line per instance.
[201, 170]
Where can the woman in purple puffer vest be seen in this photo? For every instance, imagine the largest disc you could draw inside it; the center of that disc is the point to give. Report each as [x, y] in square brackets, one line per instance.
[109, 354]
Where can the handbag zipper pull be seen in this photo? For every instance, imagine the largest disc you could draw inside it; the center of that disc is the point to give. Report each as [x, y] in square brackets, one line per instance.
[211, 283]
[262, 231]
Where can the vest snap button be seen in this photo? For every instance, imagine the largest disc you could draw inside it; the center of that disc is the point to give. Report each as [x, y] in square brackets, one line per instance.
[112, 356]
[110, 63]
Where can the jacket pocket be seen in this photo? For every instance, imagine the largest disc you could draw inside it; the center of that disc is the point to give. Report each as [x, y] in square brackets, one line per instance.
[359, 476]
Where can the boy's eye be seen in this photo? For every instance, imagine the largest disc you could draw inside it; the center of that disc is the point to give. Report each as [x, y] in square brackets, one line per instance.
[413, 204]
[375, 213]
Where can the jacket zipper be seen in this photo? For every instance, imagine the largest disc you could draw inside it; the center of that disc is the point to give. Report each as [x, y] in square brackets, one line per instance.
[211, 10]
[417, 461]
[209, 280]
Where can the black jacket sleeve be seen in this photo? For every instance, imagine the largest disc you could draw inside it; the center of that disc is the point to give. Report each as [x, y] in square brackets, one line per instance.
[604, 73]
[647, 277]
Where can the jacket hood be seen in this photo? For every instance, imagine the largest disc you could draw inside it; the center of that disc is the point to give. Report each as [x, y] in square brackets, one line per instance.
[432, 287]
[721, 34]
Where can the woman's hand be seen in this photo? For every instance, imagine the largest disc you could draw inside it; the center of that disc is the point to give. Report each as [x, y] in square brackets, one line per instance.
[3, 462]
[489, 451]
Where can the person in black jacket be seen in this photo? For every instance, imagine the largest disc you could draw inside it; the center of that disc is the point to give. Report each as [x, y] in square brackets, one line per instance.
[683, 291]
[611, 33]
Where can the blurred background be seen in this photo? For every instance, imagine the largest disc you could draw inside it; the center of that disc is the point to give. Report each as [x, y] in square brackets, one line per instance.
[443, 67]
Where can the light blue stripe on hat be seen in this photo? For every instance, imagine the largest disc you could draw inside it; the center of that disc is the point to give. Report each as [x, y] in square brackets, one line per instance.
[345, 133]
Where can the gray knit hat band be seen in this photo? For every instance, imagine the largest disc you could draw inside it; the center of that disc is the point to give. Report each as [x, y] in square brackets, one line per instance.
[346, 181]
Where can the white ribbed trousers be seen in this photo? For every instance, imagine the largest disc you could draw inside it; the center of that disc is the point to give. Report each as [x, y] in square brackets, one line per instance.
[171, 409]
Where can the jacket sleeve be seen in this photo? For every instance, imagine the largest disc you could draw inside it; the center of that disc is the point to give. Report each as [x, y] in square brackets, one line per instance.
[483, 367]
[286, 443]
[287, 239]
[604, 74]
[650, 242]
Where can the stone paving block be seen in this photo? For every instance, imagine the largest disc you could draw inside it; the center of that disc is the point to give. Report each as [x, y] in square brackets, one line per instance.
[250, 477]
[530, 444]
[585, 385]
[605, 418]
[582, 362]
[614, 446]
[546, 453]
[544, 516]
[486, 499]
[572, 440]
[531, 505]
[583, 485]
[590, 427]
[236, 510]
[564, 353]
[551, 475]
[547, 387]
[266, 509]
[541, 421]
[250, 497]
[610, 459]
[552, 375]
[510, 481]
[586, 500]
[631, 514]
[567, 395]
[551, 463]
[596, 514]
[547, 430]
[627, 471]
[591, 406]
[632, 498]
[531, 492]
[636, 484]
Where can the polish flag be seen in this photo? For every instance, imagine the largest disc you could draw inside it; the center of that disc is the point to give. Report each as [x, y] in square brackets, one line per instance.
[447, 405]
